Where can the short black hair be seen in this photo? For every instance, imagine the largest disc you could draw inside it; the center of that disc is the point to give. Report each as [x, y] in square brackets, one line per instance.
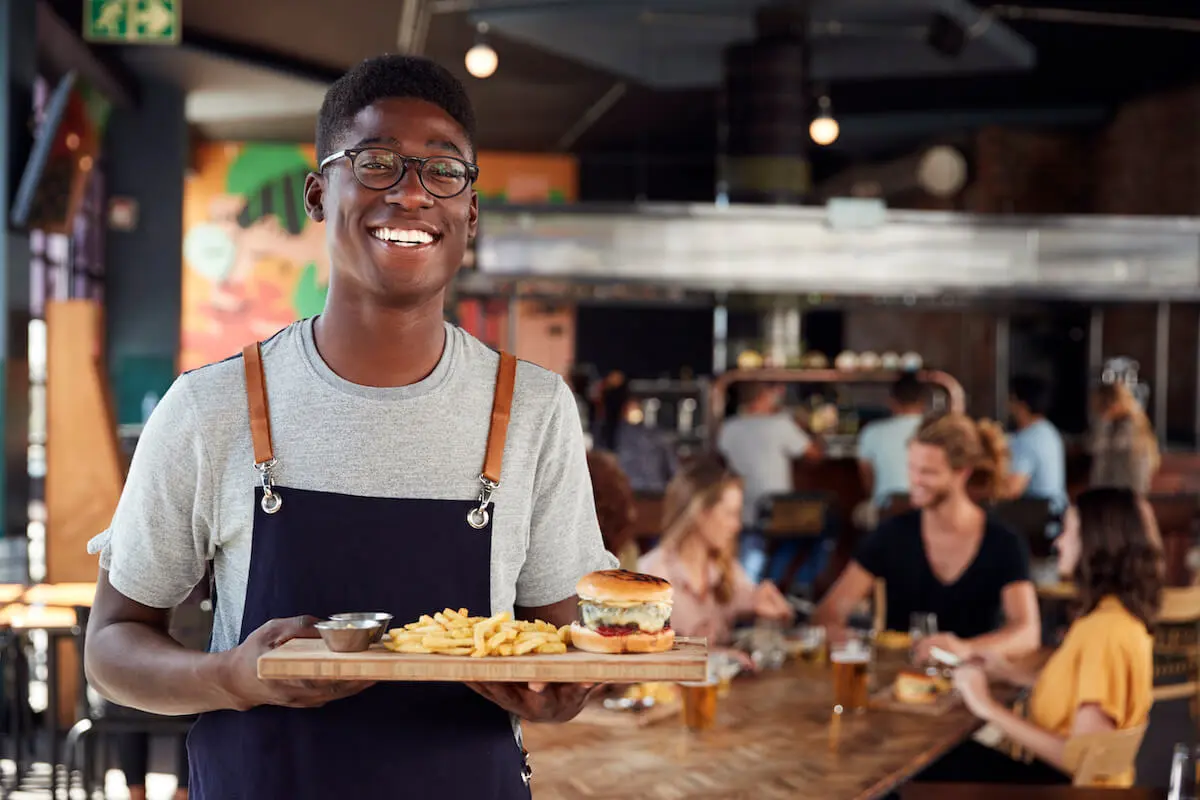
[907, 390]
[389, 76]
[1033, 391]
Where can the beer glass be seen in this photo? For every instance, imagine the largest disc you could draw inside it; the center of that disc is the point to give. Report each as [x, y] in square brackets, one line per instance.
[920, 625]
[1183, 773]
[812, 645]
[700, 703]
[851, 661]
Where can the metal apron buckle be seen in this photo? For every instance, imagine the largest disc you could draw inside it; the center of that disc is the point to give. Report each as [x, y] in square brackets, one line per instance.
[478, 518]
[271, 501]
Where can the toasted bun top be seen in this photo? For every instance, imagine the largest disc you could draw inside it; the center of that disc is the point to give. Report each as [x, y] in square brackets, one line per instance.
[623, 586]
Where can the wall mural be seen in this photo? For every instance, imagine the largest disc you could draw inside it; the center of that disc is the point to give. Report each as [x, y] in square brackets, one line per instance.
[254, 262]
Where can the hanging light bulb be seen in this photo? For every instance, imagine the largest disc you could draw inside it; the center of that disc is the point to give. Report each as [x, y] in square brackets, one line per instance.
[481, 59]
[824, 129]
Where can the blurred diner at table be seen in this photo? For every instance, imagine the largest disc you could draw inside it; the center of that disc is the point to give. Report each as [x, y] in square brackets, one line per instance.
[1100, 679]
[702, 512]
[759, 443]
[883, 448]
[1123, 444]
[1039, 463]
[947, 556]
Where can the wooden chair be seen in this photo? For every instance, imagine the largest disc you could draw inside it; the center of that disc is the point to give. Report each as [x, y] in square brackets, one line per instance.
[1029, 517]
[1092, 757]
[1176, 515]
[795, 516]
[1177, 647]
[647, 526]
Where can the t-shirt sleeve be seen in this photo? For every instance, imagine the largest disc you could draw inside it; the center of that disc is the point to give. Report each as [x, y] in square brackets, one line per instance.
[1012, 562]
[1024, 457]
[868, 444]
[1104, 673]
[158, 542]
[564, 536]
[876, 553]
[795, 440]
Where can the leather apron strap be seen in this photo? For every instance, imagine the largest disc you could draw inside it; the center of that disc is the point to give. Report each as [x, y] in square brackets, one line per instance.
[506, 379]
[256, 397]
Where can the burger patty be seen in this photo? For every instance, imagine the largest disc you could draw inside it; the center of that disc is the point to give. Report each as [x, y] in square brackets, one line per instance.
[647, 617]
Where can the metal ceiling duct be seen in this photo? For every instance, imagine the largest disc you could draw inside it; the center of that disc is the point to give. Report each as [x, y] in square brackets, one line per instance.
[764, 102]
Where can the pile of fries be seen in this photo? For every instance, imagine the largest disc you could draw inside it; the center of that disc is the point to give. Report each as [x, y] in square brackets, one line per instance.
[457, 633]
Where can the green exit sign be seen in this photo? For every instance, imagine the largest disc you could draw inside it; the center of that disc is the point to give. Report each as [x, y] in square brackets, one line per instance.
[131, 21]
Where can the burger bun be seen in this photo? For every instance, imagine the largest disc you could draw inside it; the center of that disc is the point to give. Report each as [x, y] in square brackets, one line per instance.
[583, 638]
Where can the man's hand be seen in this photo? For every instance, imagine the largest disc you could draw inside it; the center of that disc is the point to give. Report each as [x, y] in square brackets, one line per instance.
[769, 603]
[246, 690]
[539, 702]
[945, 641]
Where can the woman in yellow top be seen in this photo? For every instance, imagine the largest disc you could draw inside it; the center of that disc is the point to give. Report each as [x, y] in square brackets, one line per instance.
[1100, 678]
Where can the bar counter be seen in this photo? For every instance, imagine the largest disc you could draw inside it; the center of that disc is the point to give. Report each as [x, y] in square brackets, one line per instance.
[775, 737]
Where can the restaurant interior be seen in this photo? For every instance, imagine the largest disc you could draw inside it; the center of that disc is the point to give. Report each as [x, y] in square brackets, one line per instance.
[686, 206]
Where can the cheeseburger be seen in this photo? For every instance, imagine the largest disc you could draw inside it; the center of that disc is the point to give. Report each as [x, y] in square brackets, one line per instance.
[623, 612]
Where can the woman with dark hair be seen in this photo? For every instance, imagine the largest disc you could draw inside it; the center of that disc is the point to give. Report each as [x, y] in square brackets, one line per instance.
[615, 509]
[1100, 678]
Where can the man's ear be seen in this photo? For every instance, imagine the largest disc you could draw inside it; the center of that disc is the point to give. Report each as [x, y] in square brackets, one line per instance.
[473, 216]
[314, 196]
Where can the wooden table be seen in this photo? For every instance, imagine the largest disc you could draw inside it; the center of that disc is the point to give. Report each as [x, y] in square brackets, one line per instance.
[775, 737]
[996, 791]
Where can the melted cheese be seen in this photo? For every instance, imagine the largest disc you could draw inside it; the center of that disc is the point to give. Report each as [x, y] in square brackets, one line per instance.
[649, 617]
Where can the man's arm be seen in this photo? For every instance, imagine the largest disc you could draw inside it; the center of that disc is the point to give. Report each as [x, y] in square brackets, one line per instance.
[852, 586]
[1022, 630]
[163, 677]
[866, 474]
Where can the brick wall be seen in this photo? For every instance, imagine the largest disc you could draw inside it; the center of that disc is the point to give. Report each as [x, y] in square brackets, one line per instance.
[1145, 160]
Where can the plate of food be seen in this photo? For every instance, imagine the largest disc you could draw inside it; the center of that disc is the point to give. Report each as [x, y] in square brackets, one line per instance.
[623, 635]
[918, 691]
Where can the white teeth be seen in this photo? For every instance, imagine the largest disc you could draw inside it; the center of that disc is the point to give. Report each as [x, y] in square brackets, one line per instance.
[402, 236]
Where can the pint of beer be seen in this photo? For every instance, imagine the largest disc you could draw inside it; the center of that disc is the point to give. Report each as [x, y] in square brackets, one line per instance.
[851, 663]
[700, 704]
[813, 647]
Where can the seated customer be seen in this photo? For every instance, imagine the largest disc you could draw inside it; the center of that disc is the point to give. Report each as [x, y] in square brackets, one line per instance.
[615, 509]
[883, 448]
[1101, 677]
[947, 557]
[1039, 463]
[702, 513]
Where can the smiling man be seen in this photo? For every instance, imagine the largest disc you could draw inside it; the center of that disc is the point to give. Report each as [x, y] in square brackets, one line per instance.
[947, 557]
[372, 458]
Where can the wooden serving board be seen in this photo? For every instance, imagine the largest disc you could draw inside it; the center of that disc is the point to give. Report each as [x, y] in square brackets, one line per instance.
[309, 659]
[885, 700]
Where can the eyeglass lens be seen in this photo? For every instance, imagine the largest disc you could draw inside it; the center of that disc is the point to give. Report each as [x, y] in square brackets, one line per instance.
[382, 169]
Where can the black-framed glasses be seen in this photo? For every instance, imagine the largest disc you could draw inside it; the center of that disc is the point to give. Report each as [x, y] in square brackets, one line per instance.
[380, 169]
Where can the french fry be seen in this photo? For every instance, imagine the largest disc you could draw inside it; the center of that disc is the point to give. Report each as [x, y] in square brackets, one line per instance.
[455, 632]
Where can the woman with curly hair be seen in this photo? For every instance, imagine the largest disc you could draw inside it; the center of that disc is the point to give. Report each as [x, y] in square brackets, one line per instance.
[1124, 447]
[1100, 678]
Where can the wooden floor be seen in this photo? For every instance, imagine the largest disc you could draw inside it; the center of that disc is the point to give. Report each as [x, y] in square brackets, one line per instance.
[775, 737]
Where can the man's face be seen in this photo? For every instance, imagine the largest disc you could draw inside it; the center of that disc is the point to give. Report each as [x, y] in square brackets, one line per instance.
[931, 480]
[356, 217]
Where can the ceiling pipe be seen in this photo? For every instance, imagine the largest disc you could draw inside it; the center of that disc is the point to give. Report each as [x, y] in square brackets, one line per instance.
[593, 113]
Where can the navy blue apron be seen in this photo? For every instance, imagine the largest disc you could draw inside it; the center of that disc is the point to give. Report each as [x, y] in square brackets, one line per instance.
[321, 553]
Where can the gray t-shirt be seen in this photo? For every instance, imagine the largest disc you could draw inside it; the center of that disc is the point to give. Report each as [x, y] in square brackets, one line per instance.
[760, 449]
[190, 491]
